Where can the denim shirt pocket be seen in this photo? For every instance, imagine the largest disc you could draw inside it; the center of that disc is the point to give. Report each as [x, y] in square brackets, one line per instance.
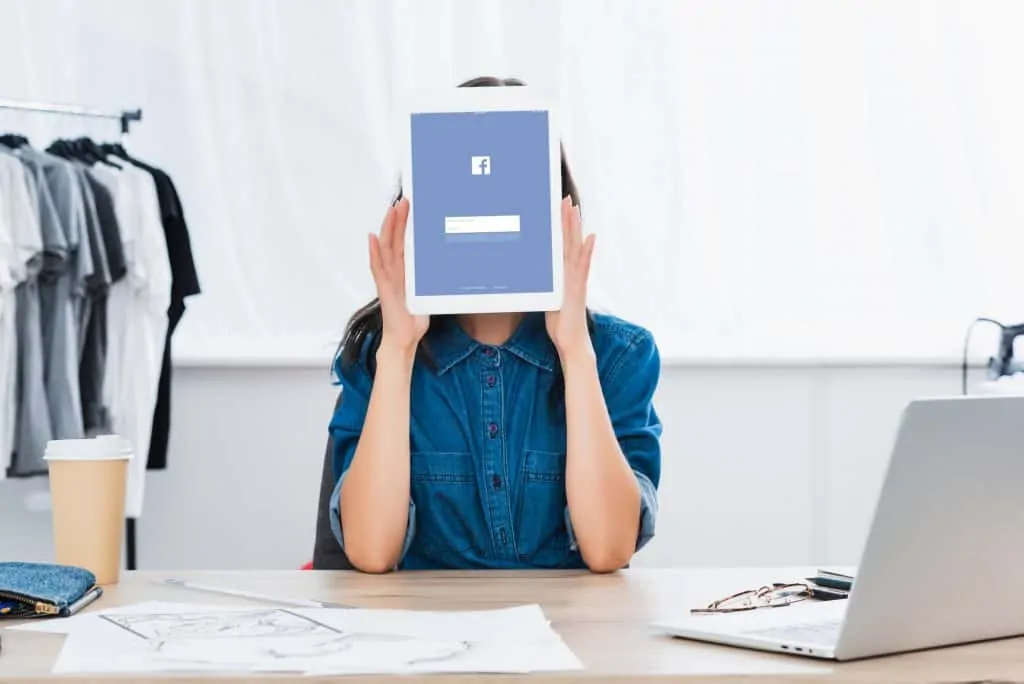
[444, 490]
[541, 532]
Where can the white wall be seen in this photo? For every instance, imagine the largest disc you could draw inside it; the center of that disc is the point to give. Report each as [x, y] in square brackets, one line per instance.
[796, 173]
[762, 465]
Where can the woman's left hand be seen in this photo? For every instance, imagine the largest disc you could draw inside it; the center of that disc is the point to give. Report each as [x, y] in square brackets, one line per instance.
[568, 326]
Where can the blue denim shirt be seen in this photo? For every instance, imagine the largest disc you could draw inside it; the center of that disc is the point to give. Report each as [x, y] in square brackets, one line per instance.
[488, 443]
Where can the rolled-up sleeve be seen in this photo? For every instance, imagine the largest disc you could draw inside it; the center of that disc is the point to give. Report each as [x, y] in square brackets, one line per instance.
[345, 429]
[629, 386]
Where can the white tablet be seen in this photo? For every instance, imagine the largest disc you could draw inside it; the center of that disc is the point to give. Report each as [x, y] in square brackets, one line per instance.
[482, 172]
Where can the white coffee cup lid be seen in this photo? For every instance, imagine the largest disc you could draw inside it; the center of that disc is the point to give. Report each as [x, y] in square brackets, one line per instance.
[101, 448]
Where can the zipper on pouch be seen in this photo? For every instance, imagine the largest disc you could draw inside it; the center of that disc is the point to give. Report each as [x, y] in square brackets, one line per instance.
[40, 606]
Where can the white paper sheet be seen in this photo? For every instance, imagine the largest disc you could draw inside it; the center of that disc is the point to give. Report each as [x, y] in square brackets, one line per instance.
[505, 623]
[160, 637]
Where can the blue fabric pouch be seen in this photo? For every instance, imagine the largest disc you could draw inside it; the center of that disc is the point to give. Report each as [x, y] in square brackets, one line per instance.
[43, 590]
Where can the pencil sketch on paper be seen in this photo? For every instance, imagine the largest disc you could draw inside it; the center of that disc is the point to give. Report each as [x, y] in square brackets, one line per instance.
[274, 636]
[163, 627]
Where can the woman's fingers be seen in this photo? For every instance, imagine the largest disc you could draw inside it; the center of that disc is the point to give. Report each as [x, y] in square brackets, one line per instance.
[573, 236]
[376, 267]
[387, 233]
[401, 217]
[588, 253]
[577, 230]
[566, 225]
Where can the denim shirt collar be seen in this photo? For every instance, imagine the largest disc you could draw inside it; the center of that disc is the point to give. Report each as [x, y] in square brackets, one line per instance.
[449, 344]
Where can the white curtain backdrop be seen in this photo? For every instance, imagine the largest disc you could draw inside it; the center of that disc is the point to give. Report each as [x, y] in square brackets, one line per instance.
[768, 180]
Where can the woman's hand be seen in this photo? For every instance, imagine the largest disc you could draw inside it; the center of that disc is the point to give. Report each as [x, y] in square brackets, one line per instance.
[401, 330]
[568, 327]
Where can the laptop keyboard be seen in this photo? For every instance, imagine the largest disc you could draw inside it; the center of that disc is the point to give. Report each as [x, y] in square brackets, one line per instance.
[824, 633]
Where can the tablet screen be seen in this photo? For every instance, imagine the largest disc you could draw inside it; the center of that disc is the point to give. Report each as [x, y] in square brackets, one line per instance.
[482, 209]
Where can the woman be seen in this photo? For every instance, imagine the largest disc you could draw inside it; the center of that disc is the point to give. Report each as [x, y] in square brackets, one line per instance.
[499, 440]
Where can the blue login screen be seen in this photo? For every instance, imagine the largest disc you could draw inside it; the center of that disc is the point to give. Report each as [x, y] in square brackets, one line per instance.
[482, 205]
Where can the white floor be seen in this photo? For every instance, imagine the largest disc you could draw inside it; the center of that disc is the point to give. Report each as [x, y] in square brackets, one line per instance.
[761, 466]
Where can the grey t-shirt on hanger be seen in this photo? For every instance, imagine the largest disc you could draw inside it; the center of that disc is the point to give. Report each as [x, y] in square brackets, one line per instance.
[31, 418]
[34, 427]
[61, 293]
[93, 322]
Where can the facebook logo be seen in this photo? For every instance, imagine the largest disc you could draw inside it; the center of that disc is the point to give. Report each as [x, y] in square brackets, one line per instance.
[481, 166]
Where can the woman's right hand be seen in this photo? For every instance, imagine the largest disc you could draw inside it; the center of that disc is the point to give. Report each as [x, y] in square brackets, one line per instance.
[401, 330]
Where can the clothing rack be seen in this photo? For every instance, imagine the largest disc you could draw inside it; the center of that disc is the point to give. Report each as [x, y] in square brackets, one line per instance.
[126, 117]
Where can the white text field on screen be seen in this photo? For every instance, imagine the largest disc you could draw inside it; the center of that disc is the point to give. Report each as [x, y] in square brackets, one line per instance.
[464, 225]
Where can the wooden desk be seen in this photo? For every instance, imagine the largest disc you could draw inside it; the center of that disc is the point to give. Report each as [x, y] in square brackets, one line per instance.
[604, 619]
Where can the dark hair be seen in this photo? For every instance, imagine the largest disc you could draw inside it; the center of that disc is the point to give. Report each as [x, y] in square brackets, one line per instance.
[366, 323]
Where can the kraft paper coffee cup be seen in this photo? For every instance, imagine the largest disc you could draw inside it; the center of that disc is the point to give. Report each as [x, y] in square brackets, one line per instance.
[87, 492]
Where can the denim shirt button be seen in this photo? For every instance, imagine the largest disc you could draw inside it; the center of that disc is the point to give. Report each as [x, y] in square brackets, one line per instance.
[491, 381]
[492, 430]
[496, 481]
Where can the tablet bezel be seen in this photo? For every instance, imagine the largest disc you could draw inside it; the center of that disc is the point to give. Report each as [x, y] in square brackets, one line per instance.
[483, 99]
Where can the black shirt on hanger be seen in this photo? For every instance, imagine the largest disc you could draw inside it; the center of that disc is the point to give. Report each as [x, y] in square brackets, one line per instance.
[185, 283]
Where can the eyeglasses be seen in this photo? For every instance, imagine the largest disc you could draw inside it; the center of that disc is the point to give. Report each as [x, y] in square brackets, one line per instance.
[770, 596]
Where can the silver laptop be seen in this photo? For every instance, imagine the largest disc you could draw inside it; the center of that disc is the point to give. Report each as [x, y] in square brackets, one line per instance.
[944, 560]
